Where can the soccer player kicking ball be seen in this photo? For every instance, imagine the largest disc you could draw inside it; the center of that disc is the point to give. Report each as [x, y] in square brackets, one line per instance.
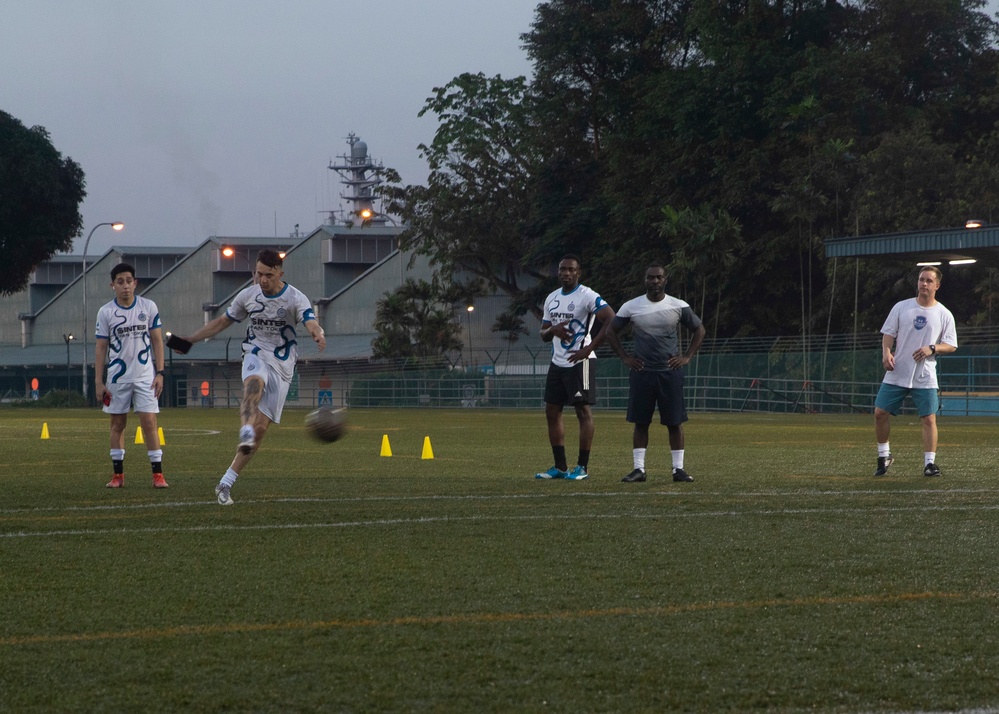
[272, 308]
[130, 345]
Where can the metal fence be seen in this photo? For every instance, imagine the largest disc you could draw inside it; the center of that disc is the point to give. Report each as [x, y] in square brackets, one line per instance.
[766, 384]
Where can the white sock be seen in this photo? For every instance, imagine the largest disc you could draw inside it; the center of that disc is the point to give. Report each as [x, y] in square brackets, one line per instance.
[929, 457]
[677, 458]
[639, 456]
[884, 450]
[155, 456]
[117, 454]
[229, 478]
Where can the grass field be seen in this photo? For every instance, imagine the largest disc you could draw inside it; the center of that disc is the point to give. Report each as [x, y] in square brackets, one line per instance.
[784, 578]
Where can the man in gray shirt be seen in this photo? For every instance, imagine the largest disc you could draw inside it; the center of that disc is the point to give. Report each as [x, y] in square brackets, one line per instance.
[656, 370]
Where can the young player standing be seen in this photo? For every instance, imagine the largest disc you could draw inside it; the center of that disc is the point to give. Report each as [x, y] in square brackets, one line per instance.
[569, 315]
[919, 328]
[130, 345]
[270, 352]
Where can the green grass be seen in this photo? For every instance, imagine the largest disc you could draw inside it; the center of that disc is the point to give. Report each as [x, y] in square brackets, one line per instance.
[784, 578]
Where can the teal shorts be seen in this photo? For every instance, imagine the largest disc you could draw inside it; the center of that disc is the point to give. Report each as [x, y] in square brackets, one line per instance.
[890, 398]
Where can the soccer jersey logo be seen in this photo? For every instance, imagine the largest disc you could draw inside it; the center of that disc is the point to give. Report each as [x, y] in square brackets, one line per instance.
[281, 312]
[142, 317]
[919, 323]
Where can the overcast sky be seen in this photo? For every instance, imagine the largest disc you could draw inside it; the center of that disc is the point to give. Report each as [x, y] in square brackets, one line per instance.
[194, 118]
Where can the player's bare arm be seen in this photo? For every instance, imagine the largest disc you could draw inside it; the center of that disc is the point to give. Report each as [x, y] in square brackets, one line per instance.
[887, 358]
[156, 338]
[614, 340]
[677, 361]
[606, 316]
[211, 329]
[100, 359]
[560, 330]
[941, 349]
[318, 335]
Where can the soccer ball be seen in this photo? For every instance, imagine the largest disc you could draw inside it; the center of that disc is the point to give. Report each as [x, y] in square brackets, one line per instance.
[327, 424]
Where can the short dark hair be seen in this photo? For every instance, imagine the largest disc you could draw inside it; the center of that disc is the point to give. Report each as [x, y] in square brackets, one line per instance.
[650, 266]
[121, 268]
[270, 258]
[572, 256]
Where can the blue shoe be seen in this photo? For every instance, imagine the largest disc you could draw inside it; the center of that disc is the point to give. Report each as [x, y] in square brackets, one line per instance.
[553, 472]
[578, 473]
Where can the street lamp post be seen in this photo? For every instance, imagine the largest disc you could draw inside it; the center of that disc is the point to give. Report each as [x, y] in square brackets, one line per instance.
[468, 312]
[67, 339]
[116, 225]
[172, 394]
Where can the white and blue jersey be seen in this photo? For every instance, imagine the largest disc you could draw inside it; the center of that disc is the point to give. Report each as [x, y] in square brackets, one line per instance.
[579, 308]
[270, 332]
[130, 352]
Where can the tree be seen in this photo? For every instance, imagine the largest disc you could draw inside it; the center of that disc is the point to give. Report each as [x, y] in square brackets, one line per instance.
[417, 320]
[474, 216]
[40, 195]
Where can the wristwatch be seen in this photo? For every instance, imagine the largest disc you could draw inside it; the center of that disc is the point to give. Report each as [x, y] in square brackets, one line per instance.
[933, 349]
[161, 372]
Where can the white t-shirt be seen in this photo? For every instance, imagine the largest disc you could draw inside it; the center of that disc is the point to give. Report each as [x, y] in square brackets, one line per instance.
[914, 326]
[270, 333]
[579, 307]
[130, 351]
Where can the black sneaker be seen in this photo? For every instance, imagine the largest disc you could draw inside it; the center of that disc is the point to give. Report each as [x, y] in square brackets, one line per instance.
[681, 475]
[635, 476]
[931, 470]
[883, 463]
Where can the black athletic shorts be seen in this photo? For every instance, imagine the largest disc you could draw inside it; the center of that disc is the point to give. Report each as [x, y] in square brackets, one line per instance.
[648, 390]
[569, 386]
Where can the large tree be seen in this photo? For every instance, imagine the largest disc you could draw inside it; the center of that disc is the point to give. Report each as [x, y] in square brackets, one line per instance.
[755, 129]
[40, 195]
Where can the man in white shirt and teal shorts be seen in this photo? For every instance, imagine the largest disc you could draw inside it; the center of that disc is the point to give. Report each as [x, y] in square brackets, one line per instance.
[919, 329]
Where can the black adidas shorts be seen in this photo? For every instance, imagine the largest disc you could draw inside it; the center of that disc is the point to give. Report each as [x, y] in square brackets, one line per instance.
[569, 386]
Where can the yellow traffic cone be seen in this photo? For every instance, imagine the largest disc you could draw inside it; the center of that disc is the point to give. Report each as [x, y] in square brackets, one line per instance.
[138, 435]
[386, 449]
[162, 438]
[45, 430]
[428, 450]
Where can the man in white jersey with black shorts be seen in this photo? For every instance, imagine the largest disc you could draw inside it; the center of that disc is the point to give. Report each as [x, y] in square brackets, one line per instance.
[129, 345]
[656, 370]
[569, 315]
[919, 328]
[270, 352]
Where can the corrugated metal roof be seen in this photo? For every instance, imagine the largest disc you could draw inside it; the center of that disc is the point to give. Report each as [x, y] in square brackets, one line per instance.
[943, 245]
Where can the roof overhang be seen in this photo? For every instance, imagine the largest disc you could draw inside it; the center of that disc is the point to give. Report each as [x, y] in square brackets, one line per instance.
[942, 245]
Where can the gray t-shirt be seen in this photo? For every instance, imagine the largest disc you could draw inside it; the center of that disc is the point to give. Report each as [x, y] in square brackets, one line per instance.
[654, 326]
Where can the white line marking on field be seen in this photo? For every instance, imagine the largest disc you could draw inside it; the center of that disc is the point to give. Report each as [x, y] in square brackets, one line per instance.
[700, 495]
[467, 519]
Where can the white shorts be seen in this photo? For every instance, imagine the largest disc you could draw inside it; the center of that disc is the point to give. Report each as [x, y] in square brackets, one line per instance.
[275, 388]
[138, 395]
